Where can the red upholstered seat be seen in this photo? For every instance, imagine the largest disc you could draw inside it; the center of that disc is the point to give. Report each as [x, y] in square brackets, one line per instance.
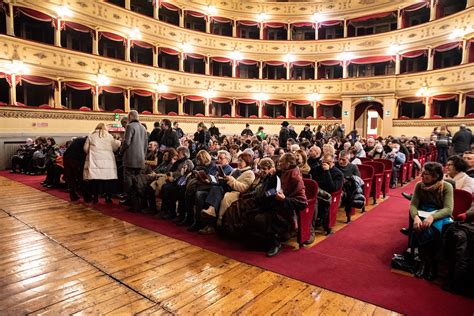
[252, 116]
[118, 111]
[84, 108]
[403, 117]
[199, 115]
[45, 106]
[280, 117]
[436, 117]
[470, 115]
[3, 103]
[172, 113]
[462, 202]
[322, 117]
[309, 117]
[367, 174]
[146, 112]
[305, 217]
[20, 104]
[334, 207]
[364, 159]
[226, 115]
[378, 178]
[388, 164]
[403, 173]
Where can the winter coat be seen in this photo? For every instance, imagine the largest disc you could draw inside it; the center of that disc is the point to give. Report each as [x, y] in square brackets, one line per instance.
[239, 185]
[354, 192]
[462, 140]
[463, 182]
[134, 146]
[283, 136]
[100, 160]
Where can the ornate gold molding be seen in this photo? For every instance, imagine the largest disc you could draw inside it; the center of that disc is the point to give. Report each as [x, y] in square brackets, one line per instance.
[455, 122]
[53, 62]
[107, 17]
[51, 114]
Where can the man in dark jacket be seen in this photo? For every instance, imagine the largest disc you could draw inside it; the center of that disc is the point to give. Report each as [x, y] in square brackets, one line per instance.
[306, 133]
[73, 160]
[134, 147]
[155, 134]
[330, 179]
[462, 140]
[247, 131]
[169, 139]
[284, 134]
[179, 132]
[214, 131]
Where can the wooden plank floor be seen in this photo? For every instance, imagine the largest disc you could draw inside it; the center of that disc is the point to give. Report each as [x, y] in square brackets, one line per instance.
[62, 258]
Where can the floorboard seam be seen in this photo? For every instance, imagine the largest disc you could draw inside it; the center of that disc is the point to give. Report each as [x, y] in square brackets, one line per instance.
[85, 260]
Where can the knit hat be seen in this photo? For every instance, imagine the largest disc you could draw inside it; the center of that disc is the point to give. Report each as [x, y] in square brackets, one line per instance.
[285, 124]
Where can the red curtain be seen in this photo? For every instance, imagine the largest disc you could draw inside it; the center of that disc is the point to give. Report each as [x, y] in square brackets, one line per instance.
[113, 37]
[168, 96]
[221, 100]
[168, 51]
[36, 15]
[169, 6]
[194, 98]
[446, 47]
[247, 62]
[36, 80]
[330, 63]
[300, 102]
[222, 59]
[274, 102]
[411, 100]
[274, 63]
[195, 56]
[302, 24]
[143, 45]
[445, 97]
[416, 6]
[330, 23]
[372, 16]
[370, 60]
[78, 85]
[142, 93]
[329, 102]
[247, 23]
[111, 89]
[77, 27]
[247, 101]
[195, 14]
[275, 25]
[414, 54]
[220, 19]
[302, 63]
[470, 47]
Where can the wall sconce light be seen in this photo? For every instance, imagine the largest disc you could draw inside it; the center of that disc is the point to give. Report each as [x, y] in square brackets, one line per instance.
[135, 34]
[317, 17]
[423, 91]
[262, 17]
[345, 56]
[161, 88]
[64, 12]
[236, 55]
[212, 10]
[102, 80]
[314, 97]
[394, 49]
[459, 33]
[186, 48]
[209, 93]
[289, 58]
[17, 67]
[261, 96]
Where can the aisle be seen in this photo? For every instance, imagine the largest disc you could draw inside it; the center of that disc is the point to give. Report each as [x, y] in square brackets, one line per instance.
[355, 261]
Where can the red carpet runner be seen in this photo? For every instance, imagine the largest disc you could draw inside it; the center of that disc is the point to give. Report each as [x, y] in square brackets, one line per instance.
[355, 261]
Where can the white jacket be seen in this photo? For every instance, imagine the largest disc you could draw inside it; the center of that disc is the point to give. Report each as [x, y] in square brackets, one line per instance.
[100, 160]
[463, 182]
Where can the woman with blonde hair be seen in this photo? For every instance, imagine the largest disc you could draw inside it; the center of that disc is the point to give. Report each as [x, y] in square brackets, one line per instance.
[100, 168]
[302, 160]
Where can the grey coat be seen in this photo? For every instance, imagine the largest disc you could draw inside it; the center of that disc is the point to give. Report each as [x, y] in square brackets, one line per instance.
[134, 145]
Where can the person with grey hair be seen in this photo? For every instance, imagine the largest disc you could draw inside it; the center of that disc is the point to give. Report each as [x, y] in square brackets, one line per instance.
[133, 150]
[23, 156]
[175, 187]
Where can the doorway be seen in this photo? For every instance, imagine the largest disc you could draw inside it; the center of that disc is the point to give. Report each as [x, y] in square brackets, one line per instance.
[368, 118]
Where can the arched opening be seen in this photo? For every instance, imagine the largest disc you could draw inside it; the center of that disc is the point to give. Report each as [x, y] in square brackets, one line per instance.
[77, 95]
[220, 107]
[168, 104]
[111, 99]
[194, 105]
[4, 90]
[247, 108]
[168, 13]
[142, 101]
[368, 118]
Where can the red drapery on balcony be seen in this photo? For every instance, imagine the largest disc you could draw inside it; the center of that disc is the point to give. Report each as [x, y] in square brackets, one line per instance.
[329, 102]
[369, 17]
[470, 48]
[113, 37]
[248, 23]
[9, 79]
[303, 24]
[275, 25]
[194, 98]
[414, 54]
[76, 85]
[470, 94]
[300, 102]
[196, 14]
[274, 63]
[111, 89]
[39, 81]
[77, 27]
[36, 15]
[220, 19]
[411, 100]
[274, 102]
[247, 62]
[302, 63]
[445, 97]
[330, 63]
[371, 60]
[168, 96]
[446, 47]
[143, 93]
[247, 101]
[412, 8]
[222, 60]
[168, 51]
[143, 45]
[169, 6]
[195, 56]
[221, 100]
[330, 23]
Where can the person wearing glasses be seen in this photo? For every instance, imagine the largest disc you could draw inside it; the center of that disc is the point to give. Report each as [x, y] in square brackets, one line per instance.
[456, 171]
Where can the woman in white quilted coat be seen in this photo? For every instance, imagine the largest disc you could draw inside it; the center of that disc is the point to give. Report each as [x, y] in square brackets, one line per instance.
[100, 169]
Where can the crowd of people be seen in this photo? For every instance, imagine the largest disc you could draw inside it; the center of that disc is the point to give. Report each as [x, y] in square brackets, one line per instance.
[250, 186]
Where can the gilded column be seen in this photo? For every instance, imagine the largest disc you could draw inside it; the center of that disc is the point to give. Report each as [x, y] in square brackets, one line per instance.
[465, 52]
[10, 20]
[433, 5]
[288, 32]
[260, 109]
[181, 18]
[315, 70]
[430, 58]
[469, 3]
[345, 71]
[397, 64]
[233, 109]
[57, 95]
[261, 31]
[207, 66]
[180, 105]
[13, 90]
[127, 4]
[95, 99]
[315, 109]
[399, 19]
[234, 28]
[288, 70]
[155, 103]
[155, 56]
[127, 49]
[57, 34]
[156, 10]
[181, 61]
[126, 103]
[260, 70]
[427, 107]
[462, 105]
[345, 27]
[206, 106]
[287, 109]
[208, 25]
[234, 68]
[95, 43]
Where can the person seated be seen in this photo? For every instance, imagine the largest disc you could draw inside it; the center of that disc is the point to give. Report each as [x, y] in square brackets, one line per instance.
[174, 189]
[370, 145]
[344, 164]
[377, 152]
[22, 157]
[223, 158]
[430, 210]
[398, 158]
[456, 171]
[330, 179]
[151, 157]
[204, 167]
[73, 161]
[468, 157]
[235, 153]
[353, 158]
[220, 197]
[359, 150]
[275, 219]
[36, 164]
[314, 156]
[302, 162]
[52, 173]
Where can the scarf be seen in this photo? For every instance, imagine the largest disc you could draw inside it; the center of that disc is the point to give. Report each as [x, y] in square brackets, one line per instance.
[437, 188]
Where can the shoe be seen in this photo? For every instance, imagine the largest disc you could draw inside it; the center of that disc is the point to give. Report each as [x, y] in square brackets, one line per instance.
[125, 202]
[13, 171]
[407, 196]
[208, 230]
[421, 271]
[348, 220]
[393, 186]
[193, 228]
[328, 231]
[209, 212]
[405, 231]
[275, 250]
[432, 273]
[74, 198]
[184, 222]
[310, 240]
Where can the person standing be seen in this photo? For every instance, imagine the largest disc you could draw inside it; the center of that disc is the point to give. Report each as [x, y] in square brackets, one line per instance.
[284, 134]
[247, 131]
[214, 131]
[100, 168]
[155, 133]
[74, 159]
[178, 130]
[134, 148]
[462, 140]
